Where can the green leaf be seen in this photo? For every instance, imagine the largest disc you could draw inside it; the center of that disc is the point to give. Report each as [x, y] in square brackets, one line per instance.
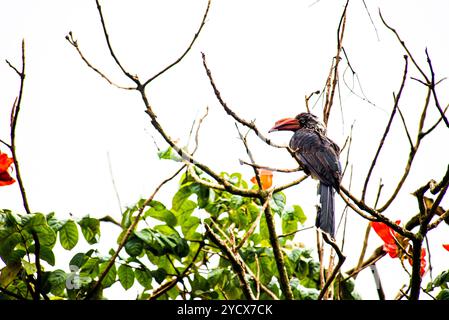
[110, 277]
[189, 227]
[78, 260]
[45, 253]
[346, 289]
[127, 216]
[9, 273]
[443, 295]
[278, 202]
[441, 279]
[169, 154]
[57, 280]
[158, 211]
[8, 241]
[54, 223]
[185, 210]
[159, 275]
[302, 293]
[264, 230]
[144, 278]
[37, 222]
[205, 195]
[289, 224]
[68, 235]
[90, 268]
[134, 246]
[30, 268]
[17, 255]
[166, 230]
[182, 248]
[126, 276]
[299, 214]
[90, 228]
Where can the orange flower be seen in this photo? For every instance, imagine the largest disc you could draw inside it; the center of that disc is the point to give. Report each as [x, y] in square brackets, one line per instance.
[423, 262]
[266, 178]
[446, 246]
[388, 236]
[5, 162]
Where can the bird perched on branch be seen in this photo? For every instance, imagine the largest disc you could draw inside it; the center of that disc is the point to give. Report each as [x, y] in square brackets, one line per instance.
[319, 156]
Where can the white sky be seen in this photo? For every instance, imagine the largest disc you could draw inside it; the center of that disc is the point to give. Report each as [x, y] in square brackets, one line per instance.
[265, 57]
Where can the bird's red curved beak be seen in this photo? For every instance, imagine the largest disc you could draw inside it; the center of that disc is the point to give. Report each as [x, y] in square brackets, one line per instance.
[286, 124]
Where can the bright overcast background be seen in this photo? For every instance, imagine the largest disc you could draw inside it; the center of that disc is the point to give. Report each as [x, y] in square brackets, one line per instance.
[265, 57]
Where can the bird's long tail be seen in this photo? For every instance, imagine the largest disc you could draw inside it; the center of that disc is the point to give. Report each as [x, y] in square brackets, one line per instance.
[325, 219]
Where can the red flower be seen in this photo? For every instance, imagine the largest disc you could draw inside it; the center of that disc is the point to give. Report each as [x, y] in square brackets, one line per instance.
[266, 178]
[388, 236]
[5, 162]
[423, 262]
[446, 246]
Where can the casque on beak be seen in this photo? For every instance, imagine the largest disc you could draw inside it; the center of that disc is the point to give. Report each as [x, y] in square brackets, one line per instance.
[286, 124]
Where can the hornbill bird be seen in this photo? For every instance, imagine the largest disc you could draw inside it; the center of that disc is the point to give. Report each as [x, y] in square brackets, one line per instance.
[318, 155]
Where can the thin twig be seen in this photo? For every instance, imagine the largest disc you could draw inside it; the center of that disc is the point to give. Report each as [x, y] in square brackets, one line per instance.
[432, 86]
[14, 120]
[405, 47]
[111, 51]
[341, 260]
[203, 22]
[250, 155]
[332, 80]
[74, 43]
[364, 247]
[387, 129]
[249, 124]
[111, 174]
[242, 162]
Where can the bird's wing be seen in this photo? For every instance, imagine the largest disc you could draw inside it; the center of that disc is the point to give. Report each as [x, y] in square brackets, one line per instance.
[319, 155]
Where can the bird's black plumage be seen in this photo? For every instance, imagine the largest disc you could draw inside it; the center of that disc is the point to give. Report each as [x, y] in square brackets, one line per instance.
[319, 157]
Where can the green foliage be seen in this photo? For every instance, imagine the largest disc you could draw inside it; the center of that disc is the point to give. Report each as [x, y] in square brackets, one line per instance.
[126, 276]
[440, 282]
[90, 228]
[167, 245]
[68, 235]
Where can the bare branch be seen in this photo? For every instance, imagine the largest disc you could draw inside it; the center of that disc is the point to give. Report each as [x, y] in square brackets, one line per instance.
[111, 51]
[74, 43]
[185, 52]
[5, 143]
[250, 155]
[411, 157]
[242, 162]
[432, 86]
[199, 123]
[405, 47]
[405, 127]
[332, 79]
[228, 110]
[378, 253]
[435, 124]
[387, 129]
[341, 260]
[376, 215]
